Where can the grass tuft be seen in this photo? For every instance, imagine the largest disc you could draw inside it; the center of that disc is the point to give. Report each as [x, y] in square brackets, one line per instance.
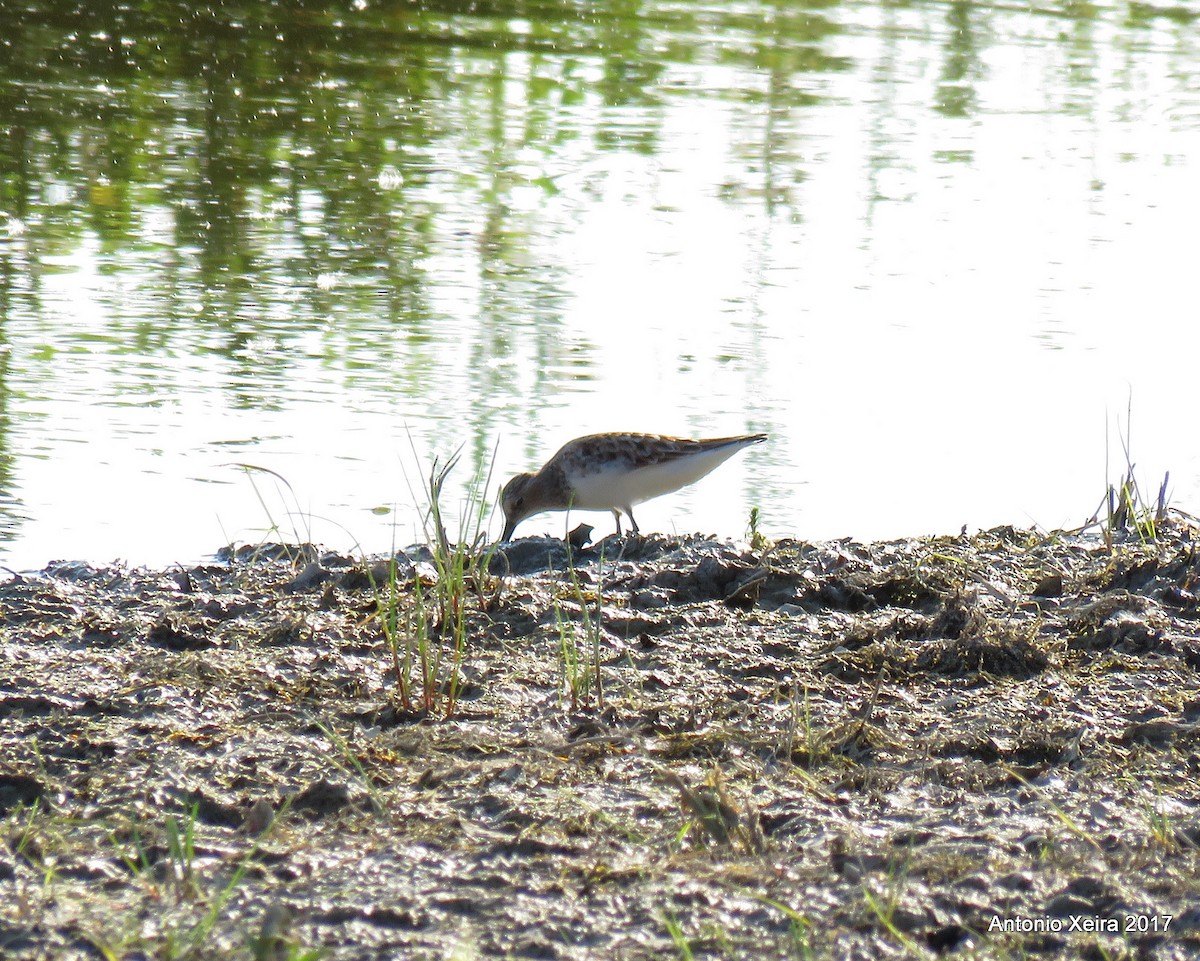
[757, 539]
[1126, 507]
[427, 630]
[579, 643]
[678, 938]
[301, 521]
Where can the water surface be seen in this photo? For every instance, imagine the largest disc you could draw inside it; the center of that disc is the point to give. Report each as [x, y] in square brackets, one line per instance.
[935, 250]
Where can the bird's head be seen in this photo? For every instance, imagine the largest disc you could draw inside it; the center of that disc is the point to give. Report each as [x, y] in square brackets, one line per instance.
[517, 502]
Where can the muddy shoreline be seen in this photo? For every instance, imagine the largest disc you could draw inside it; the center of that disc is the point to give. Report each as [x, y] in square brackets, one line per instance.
[976, 747]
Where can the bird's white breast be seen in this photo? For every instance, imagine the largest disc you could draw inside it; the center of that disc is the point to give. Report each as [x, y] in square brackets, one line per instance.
[617, 486]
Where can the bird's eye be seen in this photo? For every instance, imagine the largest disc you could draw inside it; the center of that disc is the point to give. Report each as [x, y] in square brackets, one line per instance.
[520, 502]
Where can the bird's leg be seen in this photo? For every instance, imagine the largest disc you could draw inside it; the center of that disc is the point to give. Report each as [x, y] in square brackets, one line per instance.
[617, 515]
[632, 522]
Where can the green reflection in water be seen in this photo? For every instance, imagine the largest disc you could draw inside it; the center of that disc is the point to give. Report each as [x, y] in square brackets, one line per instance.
[383, 188]
[257, 175]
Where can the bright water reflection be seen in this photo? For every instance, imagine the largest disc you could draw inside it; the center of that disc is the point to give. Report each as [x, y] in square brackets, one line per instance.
[928, 247]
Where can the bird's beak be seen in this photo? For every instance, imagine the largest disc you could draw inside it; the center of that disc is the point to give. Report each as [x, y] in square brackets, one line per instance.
[510, 525]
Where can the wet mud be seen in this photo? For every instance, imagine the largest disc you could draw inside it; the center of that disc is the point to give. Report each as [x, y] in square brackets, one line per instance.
[975, 747]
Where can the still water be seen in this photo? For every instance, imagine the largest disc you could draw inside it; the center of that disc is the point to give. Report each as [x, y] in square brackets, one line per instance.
[936, 250]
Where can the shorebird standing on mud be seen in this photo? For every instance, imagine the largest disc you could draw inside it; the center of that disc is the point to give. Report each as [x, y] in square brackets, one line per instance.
[612, 472]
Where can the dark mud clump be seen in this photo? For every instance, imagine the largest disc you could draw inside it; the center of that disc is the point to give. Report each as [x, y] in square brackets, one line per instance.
[977, 747]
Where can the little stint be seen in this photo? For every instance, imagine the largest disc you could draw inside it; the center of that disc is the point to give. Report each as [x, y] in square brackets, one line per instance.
[613, 472]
